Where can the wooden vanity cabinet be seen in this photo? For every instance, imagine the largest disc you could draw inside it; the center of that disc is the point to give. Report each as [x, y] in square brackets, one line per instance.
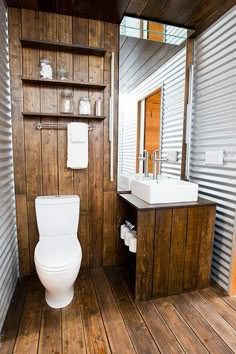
[174, 245]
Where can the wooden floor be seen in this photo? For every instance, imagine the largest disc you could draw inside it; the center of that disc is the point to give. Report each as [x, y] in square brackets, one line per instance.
[103, 318]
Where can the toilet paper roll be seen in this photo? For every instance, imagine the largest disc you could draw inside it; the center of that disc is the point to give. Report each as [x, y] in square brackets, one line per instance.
[128, 235]
[133, 244]
[123, 230]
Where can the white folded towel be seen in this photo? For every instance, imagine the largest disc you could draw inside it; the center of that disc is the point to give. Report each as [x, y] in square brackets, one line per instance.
[77, 145]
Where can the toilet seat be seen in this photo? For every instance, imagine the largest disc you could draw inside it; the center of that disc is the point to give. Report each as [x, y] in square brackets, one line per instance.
[53, 254]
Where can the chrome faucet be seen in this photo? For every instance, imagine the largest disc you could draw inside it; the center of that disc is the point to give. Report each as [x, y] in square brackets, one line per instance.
[156, 159]
[145, 158]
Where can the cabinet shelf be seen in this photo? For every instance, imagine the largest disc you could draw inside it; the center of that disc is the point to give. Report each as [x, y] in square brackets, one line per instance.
[62, 47]
[61, 115]
[28, 80]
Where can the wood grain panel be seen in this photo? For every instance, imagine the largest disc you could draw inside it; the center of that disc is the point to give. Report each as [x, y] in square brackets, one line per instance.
[162, 252]
[17, 100]
[145, 251]
[206, 245]
[109, 228]
[177, 250]
[50, 334]
[22, 234]
[192, 249]
[40, 156]
[95, 334]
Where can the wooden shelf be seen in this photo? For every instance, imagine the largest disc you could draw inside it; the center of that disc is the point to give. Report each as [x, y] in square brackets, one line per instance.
[60, 115]
[28, 80]
[62, 47]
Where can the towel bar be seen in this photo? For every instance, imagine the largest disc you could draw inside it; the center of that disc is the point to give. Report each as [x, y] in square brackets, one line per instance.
[55, 126]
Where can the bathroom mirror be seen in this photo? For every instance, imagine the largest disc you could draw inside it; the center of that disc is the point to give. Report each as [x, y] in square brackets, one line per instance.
[151, 98]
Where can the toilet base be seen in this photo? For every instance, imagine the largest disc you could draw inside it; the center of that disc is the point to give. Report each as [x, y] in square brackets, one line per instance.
[59, 300]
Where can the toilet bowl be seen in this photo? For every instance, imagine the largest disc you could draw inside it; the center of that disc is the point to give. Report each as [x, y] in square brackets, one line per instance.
[58, 253]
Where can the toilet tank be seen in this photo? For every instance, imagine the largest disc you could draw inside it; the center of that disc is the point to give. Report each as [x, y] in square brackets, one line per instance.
[57, 215]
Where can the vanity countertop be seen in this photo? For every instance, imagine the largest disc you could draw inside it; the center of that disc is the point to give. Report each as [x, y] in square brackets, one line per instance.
[142, 205]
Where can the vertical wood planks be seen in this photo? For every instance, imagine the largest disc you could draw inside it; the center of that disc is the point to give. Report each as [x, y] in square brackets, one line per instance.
[177, 250]
[162, 252]
[30, 29]
[96, 39]
[206, 245]
[145, 252]
[48, 31]
[18, 138]
[40, 156]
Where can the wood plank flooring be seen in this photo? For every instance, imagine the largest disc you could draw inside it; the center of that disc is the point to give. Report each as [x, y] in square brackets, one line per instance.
[104, 318]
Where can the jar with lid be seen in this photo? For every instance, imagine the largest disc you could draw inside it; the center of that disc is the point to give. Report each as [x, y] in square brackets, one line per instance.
[66, 101]
[85, 106]
[98, 106]
[62, 73]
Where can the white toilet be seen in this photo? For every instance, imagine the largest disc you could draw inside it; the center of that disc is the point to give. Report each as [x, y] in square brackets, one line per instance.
[58, 253]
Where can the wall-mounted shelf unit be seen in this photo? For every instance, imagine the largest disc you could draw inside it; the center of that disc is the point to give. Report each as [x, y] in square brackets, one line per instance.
[60, 115]
[62, 47]
[28, 80]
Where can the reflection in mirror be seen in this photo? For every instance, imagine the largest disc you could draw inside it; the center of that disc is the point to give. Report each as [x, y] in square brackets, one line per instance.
[151, 102]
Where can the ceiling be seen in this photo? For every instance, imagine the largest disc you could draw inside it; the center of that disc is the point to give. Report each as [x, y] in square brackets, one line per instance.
[139, 58]
[194, 14]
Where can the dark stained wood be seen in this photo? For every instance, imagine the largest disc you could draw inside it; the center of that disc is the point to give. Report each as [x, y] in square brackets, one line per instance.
[174, 246]
[73, 340]
[221, 327]
[95, 334]
[54, 82]
[28, 334]
[206, 245]
[140, 204]
[212, 341]
[22, 234]
[109, 228]
[181, 330]
[119, 339]
[103, 317]
[177, 251]
[188, 63]
[144, 256]
[139, 333]
[191, 261]
[96, 150]
[197, 15]
[42, 155]
[164, 338]
[162, 245]
[59, 115]
[223, 294]
[50, 333]
[105, 10]
[220, 306]
[61, 47]
[11, 325]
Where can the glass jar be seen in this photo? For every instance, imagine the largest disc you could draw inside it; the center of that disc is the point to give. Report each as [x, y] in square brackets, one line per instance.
[85, 106]
[66, 101]
[98, 106]
[62, 73]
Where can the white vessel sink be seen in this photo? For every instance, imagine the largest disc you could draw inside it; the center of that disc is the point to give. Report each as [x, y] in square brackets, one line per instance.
[125, 180]
[165, 190]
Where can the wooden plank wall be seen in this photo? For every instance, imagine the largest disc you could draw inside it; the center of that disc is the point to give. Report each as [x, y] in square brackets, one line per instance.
[40, 156]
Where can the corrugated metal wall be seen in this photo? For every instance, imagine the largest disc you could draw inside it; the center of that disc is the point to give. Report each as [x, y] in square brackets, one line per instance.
[8, 240]
[214, 128]
[171, 76]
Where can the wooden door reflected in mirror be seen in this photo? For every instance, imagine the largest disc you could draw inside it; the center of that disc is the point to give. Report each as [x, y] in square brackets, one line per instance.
[148, 132]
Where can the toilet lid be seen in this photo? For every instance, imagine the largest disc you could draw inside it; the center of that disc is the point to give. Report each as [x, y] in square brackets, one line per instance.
[57, 253]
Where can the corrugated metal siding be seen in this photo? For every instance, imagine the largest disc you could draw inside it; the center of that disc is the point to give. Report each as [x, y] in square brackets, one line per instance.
[175, 35]
[171, 77]
[8, 241]
[214, 128]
